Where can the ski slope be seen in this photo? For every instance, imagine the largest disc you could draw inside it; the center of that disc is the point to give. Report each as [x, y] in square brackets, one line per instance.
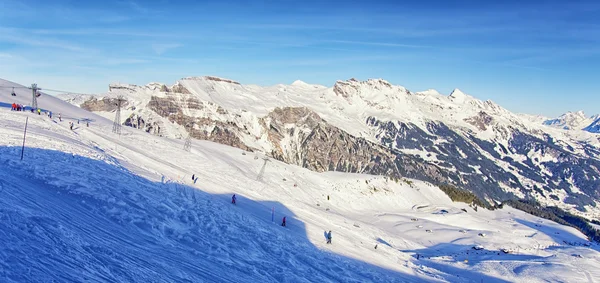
[87, 205]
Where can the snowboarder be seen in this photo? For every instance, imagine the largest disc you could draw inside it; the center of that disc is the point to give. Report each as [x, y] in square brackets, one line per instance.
[283, 222]
[233, 198]
[376, 246]
[329, 237]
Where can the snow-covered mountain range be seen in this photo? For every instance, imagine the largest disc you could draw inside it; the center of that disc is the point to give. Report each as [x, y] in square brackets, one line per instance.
[85, 204]
[575, 121]
[378, 128]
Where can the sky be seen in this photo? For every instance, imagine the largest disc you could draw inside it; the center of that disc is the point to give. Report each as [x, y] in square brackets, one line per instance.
[535, 57]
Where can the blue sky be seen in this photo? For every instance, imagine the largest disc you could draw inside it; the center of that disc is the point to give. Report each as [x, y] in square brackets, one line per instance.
[537, 57]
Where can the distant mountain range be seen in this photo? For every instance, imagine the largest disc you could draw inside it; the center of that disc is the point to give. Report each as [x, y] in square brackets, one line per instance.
[375, 127]
[575, 121]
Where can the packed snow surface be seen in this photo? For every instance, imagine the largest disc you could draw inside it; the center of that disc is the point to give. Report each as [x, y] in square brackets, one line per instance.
[88, 205]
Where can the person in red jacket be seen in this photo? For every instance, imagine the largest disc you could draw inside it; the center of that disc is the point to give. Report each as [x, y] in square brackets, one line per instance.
[14, 106]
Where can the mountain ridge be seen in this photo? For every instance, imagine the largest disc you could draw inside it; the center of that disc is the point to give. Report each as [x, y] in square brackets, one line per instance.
[476, 144]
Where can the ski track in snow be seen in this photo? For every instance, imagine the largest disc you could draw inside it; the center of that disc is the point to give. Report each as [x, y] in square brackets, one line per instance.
[86, 205]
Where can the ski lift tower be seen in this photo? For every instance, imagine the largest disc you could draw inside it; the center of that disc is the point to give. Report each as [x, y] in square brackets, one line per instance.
[34, 91]
[262, 170]
[188, 141]
[117, 122]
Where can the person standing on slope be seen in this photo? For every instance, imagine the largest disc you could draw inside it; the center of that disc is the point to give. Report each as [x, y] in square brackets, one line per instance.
[233, 198]
[283, 222]
[59, 117]
[329, 237]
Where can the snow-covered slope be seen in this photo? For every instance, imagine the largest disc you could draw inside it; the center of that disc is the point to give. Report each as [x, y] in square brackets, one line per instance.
[594, 127]
[87, 205]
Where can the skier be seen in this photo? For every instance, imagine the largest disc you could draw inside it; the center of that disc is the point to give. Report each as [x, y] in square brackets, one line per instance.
[39, 111]
[329, 237]
[59, 117]
[193, 177]
[233, 198]
[14, 107]
[283, 222]
[71, 125]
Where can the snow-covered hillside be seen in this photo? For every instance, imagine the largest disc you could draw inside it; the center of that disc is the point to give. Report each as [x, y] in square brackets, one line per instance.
[88, 205]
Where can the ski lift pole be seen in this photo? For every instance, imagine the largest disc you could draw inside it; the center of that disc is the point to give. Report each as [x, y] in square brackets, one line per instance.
[24, 134]
[34, 90]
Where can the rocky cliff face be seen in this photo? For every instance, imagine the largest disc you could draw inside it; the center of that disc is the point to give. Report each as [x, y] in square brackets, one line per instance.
[301, 137]
[525, 167]
[104, 104]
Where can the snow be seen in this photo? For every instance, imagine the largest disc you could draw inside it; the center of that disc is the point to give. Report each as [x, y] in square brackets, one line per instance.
[87, 205]
[568, 121]
[458, 96]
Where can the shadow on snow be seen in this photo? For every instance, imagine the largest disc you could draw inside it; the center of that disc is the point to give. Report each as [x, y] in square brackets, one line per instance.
[69, 218]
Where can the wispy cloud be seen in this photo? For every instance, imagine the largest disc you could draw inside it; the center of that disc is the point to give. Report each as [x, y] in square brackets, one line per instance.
[122, 61]
[160, 48]
[21, 37]
[134, 6]
[341, 60]
[375, 43]
[107, 31]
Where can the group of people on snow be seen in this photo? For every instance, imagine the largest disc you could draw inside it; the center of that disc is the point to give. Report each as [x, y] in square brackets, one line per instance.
[17, 107]
[20, 107]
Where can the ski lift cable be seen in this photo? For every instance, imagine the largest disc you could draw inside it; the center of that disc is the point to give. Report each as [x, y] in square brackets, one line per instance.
[46, 89]
[64, 91]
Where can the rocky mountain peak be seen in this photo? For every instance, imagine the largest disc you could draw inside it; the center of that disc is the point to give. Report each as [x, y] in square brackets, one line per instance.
[299, 83]
[458, 96]
[295, 115]
[368, 90]
[570, 121]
